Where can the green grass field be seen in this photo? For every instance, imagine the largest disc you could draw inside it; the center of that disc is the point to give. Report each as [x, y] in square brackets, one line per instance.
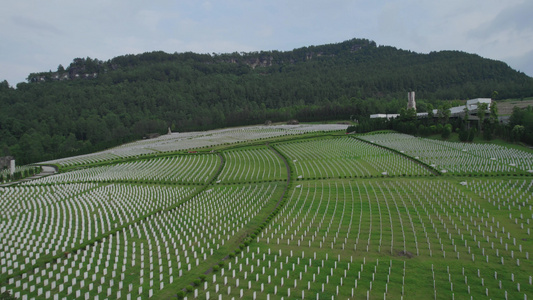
[312, 216]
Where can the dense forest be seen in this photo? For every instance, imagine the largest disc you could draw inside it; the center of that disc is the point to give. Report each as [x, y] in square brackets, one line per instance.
[92, 104]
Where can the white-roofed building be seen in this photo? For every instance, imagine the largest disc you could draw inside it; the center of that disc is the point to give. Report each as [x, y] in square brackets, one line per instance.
[474, 103]
[384, 116]
[456, 111]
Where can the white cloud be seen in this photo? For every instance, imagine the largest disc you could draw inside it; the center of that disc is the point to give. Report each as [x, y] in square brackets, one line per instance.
[515, 18]
[508, 34]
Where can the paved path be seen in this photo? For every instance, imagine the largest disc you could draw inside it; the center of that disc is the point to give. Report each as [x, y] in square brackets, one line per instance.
[47, 170]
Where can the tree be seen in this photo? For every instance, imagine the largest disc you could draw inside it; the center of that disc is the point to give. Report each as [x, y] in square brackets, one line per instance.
[69, 144]
[487, 133]
[472, 134]
[4, 150]
[444, 113]
[31, 147]
[466, 111]
[493, 112]
[408, 115]
[4, 85]
[431, 115]
[517, 133]
[422, 130]
[447, 131]
[481, 111]
[351, 128]
[463, 135]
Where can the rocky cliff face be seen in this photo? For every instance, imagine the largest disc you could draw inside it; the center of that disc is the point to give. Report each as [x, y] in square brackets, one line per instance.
[80, 68]
[260, 62]
[87, 68]
[57, 76]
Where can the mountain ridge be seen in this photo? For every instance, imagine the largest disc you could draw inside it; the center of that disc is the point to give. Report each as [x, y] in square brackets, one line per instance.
[87, 68]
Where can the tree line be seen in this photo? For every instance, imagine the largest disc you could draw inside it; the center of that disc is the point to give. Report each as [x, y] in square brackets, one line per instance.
[91, 104]
[485, 125]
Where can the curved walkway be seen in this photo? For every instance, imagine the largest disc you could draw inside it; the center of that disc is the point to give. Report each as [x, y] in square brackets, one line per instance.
[47, 170]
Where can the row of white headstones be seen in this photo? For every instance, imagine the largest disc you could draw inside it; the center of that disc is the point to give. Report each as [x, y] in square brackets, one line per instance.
[457, 157]
[188, 168]
[456, 204]
[447, 210]
[194, 140]
[256, 164]
[182, 233]
[346, 156]
[267, 273]
[61, 221]
[242, 165]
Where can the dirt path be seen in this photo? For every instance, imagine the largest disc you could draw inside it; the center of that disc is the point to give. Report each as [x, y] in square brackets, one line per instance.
[288, 174]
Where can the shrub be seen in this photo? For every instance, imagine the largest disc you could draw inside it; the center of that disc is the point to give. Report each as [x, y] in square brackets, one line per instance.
[446, 131]
[463, 135]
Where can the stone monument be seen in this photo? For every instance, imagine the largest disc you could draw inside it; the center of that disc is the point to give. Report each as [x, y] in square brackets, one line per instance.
[411, 103]
[12, 167]
[7, 162]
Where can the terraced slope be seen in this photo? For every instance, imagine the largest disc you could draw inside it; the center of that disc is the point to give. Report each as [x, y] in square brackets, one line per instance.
[311, 216]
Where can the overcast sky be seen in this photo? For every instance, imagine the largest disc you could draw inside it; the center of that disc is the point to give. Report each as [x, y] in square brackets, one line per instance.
[39, 35]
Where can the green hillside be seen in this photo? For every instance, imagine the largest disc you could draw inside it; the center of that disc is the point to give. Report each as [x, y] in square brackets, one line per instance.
[258, 212]
[92, 104]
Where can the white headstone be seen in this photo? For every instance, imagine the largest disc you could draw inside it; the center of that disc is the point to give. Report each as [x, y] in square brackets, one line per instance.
[12, 167]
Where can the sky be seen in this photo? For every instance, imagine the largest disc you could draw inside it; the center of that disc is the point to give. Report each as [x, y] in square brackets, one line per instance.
[38, 36]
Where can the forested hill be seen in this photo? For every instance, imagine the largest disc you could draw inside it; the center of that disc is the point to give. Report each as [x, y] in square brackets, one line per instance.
[92, 104]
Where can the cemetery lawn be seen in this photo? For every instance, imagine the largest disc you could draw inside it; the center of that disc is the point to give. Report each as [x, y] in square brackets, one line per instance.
[307, 214]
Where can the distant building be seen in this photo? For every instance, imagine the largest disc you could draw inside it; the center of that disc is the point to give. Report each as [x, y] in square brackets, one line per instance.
[455, 112]
[472, 104]
[384, 116]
